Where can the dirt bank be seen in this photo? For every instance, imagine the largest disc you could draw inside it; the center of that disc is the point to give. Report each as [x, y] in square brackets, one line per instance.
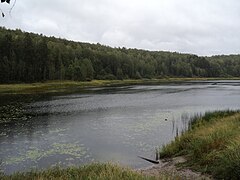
[169, 167]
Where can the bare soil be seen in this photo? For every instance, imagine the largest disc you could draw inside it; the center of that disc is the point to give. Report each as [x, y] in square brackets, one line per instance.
[168, 167]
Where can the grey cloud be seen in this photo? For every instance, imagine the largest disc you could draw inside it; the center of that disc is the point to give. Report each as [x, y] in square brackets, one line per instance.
[203, 27]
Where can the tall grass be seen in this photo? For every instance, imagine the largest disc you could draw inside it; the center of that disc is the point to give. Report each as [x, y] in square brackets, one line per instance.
[91, 172]
[211, 145]
[199, 118]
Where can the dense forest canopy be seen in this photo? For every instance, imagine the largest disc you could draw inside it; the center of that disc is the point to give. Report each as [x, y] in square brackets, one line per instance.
[28, 57]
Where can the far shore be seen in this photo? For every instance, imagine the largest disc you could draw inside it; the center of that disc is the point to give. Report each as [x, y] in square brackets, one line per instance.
[74, 86]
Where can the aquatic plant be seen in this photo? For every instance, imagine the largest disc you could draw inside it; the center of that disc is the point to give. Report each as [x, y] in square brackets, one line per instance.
[35, 154]
[12, 113]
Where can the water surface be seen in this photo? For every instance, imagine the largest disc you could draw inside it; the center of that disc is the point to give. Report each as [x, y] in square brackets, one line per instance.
[108, 124]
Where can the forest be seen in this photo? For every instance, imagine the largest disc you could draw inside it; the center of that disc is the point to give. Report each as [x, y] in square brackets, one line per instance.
[29, 57]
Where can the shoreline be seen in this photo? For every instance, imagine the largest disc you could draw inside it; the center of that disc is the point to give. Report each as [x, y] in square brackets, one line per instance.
[75, 86]
[219, 131]
[167, 169]
[170, 166]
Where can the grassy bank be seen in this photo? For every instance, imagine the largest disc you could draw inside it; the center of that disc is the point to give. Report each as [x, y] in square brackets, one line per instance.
[71, 86]
[91, 172]
[95, 171]
[212, 145]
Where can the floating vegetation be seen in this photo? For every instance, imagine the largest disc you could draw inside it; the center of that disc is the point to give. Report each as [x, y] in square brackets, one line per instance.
[3, 134]
[35, 154]
[14, 160]
[12, 112]
[58, 130]
[69, 149]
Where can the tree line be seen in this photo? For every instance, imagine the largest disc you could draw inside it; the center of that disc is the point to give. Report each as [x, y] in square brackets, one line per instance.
[29, 57]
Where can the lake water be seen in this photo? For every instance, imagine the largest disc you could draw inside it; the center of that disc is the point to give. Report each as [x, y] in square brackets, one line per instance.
[113, 124]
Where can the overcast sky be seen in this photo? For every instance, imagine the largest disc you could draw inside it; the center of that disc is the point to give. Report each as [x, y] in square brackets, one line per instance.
[203, 27]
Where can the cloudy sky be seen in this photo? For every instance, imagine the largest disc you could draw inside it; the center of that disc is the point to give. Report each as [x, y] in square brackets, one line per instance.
[203, 27]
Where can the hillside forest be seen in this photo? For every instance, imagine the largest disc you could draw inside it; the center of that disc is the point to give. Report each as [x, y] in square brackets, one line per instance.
[29, 57]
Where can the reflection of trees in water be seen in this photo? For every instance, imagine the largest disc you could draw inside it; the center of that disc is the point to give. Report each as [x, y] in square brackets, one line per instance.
[7, 99]
[24, 126]
[22, 120]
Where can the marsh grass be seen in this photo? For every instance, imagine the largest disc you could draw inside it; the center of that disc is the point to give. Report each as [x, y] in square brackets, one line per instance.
[211, 145]
[93, 171]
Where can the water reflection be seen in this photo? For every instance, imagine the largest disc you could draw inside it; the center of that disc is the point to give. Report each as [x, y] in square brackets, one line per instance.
[108, 124]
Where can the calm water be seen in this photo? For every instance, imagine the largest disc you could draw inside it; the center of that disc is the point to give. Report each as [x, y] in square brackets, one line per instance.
[108, 124]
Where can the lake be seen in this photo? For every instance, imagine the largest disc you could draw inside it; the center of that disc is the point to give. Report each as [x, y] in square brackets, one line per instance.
[109, 124]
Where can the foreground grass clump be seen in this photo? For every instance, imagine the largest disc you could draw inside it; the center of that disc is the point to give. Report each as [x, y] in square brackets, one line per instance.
[94, 171]
[211, 145]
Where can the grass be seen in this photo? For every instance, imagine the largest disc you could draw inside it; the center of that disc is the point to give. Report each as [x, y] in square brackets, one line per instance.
[71, 86]
[211, 145]
[89, 172]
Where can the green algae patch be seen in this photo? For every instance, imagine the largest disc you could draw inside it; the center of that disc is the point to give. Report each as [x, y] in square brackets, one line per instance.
[58, 131]
[34, 154]
[69, 149]
[12, 113]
